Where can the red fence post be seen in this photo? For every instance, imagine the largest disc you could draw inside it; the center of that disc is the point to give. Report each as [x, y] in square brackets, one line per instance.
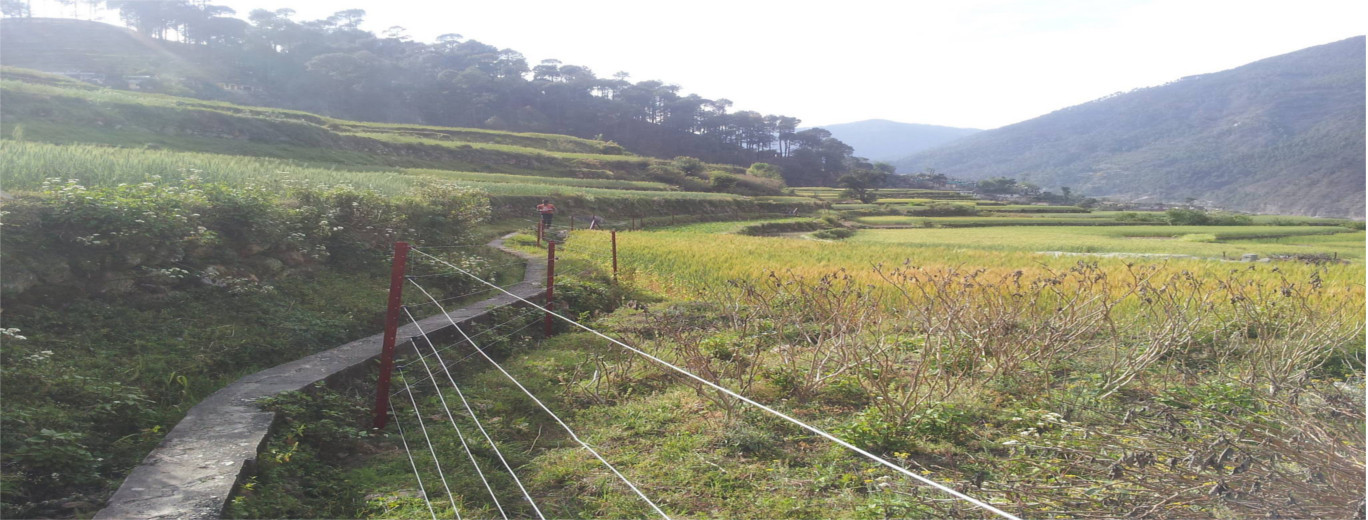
[396, 301]
[613, 234]
[550, 283]
[572, 222]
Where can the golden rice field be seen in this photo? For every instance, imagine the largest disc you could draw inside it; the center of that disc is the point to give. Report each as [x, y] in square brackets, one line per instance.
[682, 262]
[1200, 241]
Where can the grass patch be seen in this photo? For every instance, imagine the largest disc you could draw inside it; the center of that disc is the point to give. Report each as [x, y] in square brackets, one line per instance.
[549, 181]
[27, 165]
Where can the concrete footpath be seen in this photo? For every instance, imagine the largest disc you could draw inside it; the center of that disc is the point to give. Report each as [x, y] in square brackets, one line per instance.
[192, 473]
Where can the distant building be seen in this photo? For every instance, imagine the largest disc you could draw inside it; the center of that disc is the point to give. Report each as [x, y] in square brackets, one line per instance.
[238, 87]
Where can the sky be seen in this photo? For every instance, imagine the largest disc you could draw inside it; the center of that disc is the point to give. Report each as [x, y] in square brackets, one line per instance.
[963, 63]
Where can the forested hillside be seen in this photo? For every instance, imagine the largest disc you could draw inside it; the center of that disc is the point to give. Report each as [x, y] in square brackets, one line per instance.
[884, 140]
[1281, 135]
[332, 67]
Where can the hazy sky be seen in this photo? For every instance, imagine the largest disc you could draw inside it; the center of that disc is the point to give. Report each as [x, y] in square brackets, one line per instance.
[967, 63]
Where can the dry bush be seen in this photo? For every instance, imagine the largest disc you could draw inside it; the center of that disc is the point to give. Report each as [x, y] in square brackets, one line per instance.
[1281, 331]
[817, 324]
[1003, 324]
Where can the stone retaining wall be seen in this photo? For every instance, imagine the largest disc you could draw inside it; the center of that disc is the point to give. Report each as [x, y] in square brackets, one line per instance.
[193, 472]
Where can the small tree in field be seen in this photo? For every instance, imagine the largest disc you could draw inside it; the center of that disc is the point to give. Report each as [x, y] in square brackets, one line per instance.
[691, 166]
[861, 184]
[766, 171]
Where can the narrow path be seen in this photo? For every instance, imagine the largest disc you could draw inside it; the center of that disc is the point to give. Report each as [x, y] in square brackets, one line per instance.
[192, 473]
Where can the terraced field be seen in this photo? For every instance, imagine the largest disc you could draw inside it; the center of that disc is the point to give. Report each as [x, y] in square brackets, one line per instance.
[1053, 360]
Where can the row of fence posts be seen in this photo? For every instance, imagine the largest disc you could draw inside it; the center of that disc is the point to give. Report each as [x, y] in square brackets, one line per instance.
[633, 223]
[396, 305]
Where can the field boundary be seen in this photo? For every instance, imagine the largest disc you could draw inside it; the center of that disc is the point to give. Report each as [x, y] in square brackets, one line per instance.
[194, 471]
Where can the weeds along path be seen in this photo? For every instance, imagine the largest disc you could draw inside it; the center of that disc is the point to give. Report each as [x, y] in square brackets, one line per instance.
[192, 473]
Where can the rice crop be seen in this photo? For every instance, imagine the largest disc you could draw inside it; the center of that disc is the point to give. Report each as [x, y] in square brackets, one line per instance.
[1230, 241]
[1065, 219]
[730, 226]
[689, 258]
[1064, 354]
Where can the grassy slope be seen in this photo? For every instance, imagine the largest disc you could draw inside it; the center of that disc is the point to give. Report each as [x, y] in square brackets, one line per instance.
[167, 353]
[251, 144]
[680, 449]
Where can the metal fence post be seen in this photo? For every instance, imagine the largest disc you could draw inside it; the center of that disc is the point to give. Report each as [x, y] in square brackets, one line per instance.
[396, 301]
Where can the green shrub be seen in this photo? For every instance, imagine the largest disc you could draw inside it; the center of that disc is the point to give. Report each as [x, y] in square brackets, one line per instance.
[331, 421]
[722, 181]
[834, 234]
[1230, 219]
[72, 241]
[765, 170]
[588, 296]
[1197, 217]
[665, 173]
[770, 228]
[1131, 216]
[1186, 217]
[937, 423]
[690, 166]
[297, 476]
[944, 209]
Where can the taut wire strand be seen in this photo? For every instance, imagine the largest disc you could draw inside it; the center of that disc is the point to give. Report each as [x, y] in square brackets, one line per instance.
[548, 411]
[433, 378]
[435, 462]
[801, 424]
[413, 464]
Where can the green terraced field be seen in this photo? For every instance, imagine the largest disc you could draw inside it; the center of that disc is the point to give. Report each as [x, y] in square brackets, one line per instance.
[1058, 219]
[1231, 241]
[550, 181]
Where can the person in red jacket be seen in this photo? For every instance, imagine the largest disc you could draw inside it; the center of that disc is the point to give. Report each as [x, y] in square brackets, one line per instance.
[547, 209]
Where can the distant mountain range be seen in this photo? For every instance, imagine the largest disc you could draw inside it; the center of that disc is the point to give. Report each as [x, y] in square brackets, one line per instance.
[884, 140]
[1280, 135]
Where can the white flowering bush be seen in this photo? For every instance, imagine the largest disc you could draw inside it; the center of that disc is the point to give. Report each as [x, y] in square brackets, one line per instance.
[71, 240]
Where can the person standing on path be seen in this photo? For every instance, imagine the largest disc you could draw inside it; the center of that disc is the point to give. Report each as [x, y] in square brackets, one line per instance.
[547, 210]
